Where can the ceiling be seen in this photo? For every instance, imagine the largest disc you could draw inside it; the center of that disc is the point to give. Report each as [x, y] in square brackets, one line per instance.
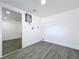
[52, 6]
[12, 16]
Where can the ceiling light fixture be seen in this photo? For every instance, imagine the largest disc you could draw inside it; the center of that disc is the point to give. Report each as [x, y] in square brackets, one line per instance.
[5, 18]
[43, 2]
[7, 12]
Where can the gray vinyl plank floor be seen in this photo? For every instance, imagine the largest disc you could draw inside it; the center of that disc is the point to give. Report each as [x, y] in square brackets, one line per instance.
[44, 50]
[11, 45]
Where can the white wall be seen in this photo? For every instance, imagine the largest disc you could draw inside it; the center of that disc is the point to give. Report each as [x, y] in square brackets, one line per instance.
[0, 32]
[11, 30]
[31, 36]
[62, 28]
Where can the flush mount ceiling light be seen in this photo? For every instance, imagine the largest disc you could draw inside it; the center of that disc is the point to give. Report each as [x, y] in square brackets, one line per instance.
[7, 12]
[5, 18]
[43, 2]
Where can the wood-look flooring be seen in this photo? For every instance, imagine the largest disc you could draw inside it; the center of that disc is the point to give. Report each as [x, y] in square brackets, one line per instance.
[11, 45]
[44, 50]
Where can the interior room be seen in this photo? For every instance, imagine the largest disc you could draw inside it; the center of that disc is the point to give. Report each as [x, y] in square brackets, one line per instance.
[11, 31]
[39, 29]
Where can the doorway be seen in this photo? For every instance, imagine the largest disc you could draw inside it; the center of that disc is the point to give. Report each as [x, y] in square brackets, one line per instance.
[11, 31]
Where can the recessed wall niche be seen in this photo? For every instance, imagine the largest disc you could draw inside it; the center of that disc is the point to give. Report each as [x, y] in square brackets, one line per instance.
[28, 18]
